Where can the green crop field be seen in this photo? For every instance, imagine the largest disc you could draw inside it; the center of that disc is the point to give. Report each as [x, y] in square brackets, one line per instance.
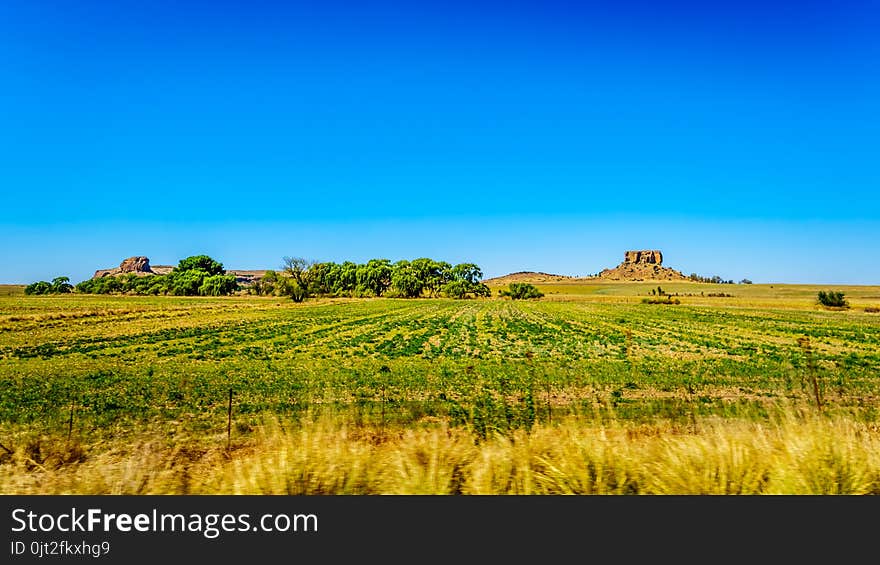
[132, 394]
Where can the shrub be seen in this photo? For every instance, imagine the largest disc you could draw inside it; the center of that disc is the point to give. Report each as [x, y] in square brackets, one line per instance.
[521, 291]
[833, 299]
[456, 289]
[39, 287]
[218, 285]
[59, 285]
[665, 300]
[463, 289]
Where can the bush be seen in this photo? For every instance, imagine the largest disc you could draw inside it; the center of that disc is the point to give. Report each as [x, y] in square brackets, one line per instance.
[665, 300]
[59, 285]
[218, 285]
[456, 289]
[39, 287]
[521, 291]
[833, 299]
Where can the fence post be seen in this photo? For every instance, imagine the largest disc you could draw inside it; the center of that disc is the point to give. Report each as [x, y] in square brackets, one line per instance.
[229, 423]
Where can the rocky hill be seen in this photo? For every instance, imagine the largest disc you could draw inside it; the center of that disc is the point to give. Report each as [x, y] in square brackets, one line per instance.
[529, 276]
[642, 265]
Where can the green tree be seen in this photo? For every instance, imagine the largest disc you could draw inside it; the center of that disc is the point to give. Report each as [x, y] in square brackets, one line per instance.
[289, 287]
[157, 284]
[832, 298]
[61, 285]
[406, 280]
[433, 274]
[345, 278]
[466, 280]
[201, 263]
[218, 285]
[297, 271]
[374, 277]
[456, 289]
[265, 286]
[321, 278]
[187, 282]
[188, 279]
[37, 288]
[467, 272]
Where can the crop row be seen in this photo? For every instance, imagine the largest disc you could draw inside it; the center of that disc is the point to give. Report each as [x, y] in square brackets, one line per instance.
[484, 363]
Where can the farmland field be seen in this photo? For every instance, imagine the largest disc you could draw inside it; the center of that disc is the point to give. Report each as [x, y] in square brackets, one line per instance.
[132, 394]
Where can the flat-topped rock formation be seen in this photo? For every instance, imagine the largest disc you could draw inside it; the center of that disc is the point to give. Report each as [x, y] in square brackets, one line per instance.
[652, 257]
[642, 265]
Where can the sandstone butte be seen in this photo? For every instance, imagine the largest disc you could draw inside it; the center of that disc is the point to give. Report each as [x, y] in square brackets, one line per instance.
[642, 265]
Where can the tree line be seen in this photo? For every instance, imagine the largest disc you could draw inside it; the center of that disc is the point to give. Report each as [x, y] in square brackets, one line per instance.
[715, 279]
[59, 285]
[298, 279]
[302, 278]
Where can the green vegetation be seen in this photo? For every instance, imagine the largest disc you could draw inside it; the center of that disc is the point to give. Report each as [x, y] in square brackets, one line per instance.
[198, 275]
[421, 277]
[588, 390]
[833, 299]
[59, 285]
[715, 279]
[521, 291]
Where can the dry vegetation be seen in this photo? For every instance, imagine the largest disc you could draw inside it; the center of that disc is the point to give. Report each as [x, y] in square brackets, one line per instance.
[793, 452]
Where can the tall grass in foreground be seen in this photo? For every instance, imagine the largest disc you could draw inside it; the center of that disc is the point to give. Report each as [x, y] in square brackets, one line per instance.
[794, 453]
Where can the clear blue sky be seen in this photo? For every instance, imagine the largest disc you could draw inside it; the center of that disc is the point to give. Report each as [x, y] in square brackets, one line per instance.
[742, 139]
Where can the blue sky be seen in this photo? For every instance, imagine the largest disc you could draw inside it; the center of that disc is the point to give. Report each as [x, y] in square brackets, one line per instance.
[741, 139]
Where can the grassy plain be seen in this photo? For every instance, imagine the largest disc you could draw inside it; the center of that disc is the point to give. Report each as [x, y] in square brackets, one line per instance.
[587, 390]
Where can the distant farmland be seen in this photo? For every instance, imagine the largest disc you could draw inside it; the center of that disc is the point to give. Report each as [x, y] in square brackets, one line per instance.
[131, 394]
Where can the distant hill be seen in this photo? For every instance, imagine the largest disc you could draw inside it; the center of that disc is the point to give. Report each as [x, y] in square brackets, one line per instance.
[529, 276]
[641, 265]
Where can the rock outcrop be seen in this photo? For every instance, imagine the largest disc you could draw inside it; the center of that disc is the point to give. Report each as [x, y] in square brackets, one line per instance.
[642, 265]
[139, 265]
[652, 257]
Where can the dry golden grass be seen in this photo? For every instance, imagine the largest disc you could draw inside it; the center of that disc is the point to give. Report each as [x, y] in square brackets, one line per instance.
[795, 452]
